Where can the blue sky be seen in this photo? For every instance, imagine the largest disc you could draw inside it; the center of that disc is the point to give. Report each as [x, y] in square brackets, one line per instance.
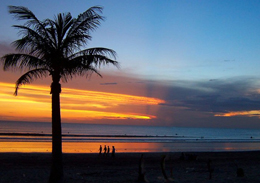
[168, 39]
[206, 52]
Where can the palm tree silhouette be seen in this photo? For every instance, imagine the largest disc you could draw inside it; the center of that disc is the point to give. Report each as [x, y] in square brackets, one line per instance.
[54, 48]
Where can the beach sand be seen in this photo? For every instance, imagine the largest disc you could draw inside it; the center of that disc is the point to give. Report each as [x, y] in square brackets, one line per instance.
[92, 168]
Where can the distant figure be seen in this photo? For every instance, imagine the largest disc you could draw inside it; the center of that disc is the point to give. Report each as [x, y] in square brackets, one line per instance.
[108, 150]
[100, 149]
[105, 150]
[113, 151]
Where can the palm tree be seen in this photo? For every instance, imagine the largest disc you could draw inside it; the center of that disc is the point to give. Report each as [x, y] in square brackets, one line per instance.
[54, 48]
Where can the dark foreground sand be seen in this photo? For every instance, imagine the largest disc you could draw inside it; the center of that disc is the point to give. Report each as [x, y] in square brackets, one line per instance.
[91, 168]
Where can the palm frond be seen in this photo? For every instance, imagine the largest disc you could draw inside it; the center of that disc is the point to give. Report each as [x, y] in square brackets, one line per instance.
[88, 71]
[51, 32]
[80, 70]
[21, 61]
[73, 44]
[95, 56]
[86, 22]
[32, 42]
[96, 51]
[63, 22]
[23, 13]
[101, 51]
[29, 77]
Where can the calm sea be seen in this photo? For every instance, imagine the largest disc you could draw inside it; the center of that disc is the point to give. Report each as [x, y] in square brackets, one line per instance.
[84, 138]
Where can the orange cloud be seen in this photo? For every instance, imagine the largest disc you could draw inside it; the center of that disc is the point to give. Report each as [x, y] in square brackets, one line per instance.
[34, 102]
[252, 113]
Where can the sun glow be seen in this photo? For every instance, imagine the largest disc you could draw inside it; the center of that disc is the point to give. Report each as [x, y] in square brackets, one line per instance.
[82, 114]
[35, 102]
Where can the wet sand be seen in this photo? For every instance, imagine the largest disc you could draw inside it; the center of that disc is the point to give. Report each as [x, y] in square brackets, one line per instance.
[92, 168]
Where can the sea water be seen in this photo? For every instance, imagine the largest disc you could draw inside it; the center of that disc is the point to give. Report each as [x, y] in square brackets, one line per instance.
[36, 137]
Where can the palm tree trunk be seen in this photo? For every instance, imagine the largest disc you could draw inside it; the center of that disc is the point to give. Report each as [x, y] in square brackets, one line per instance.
[56, 175]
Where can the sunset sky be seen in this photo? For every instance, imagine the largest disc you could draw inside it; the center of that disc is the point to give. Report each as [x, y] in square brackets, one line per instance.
[191, 63]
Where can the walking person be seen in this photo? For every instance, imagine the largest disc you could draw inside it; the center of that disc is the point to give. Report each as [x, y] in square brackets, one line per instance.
[105, 150]
[113, 151]
[100, 149]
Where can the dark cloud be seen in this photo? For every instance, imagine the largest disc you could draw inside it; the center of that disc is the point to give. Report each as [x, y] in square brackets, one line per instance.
[219, 104]
[108, 83]
[215, 96]
[195, 103]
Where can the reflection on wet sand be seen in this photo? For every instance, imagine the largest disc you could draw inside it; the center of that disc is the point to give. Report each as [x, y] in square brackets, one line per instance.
[125, 147]
[78, 147]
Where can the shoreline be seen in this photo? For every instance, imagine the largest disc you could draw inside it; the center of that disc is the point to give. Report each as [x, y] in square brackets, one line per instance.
[90, 167]
[171, 138]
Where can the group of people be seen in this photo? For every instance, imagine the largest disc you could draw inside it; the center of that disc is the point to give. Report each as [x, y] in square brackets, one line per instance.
[107, 150]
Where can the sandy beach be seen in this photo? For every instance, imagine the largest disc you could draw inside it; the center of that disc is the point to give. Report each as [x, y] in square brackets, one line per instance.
[83, 168]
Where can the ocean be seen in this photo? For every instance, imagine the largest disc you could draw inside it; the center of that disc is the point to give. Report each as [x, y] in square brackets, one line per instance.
[86, 138]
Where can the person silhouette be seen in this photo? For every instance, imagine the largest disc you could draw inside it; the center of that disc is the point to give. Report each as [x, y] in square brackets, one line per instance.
[108, 150]
[105, 150]
[100, 149]
[113, 151]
